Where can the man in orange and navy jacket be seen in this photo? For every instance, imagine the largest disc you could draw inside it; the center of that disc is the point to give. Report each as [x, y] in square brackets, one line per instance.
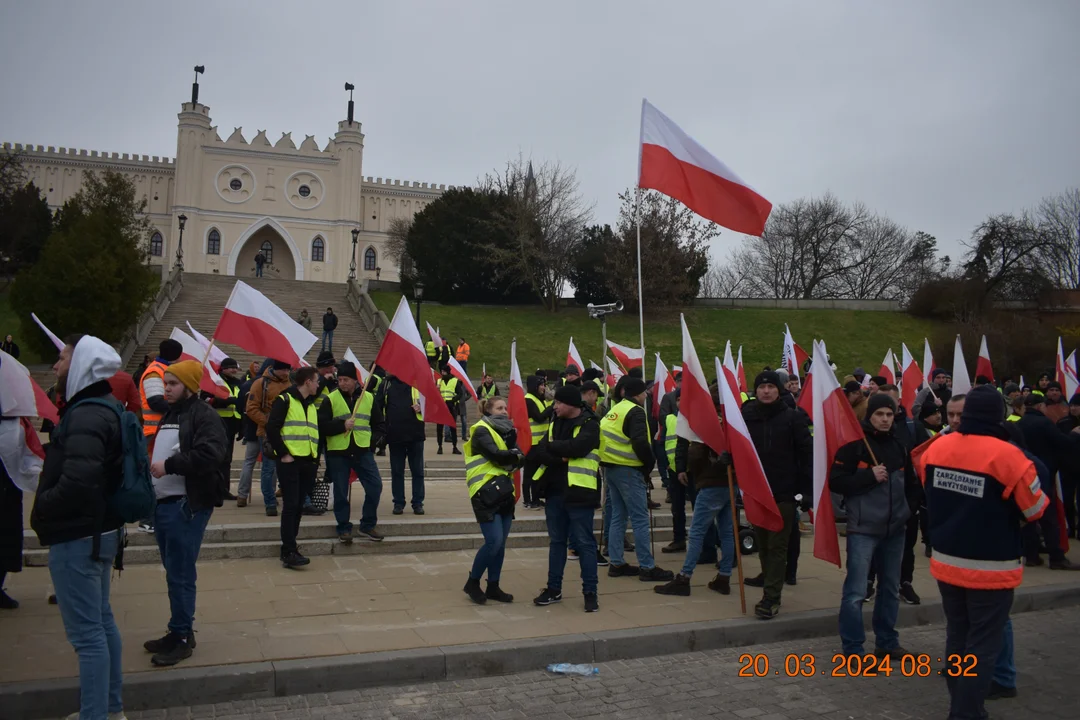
[980, 490]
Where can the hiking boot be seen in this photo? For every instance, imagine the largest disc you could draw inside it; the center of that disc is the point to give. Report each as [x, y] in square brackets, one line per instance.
[1000, 692]
[1063, 564]
[756, 581]
[667, 497]
[680, 585]
[294, 560]
[897, 653]
[721, 584]
[456, 451]
[399, 509]
[791, 580]
[345, 538]
[241, 502]
[653, 505]
[7, 602]
[869, 592]
[230, 496]
[675, 546]
[166, 643]
[418, 510]
[592, 603]
[494, 592]
[310, 510]
[624, 570]
[767, 609]
[1034, 562]
[472, 589]
[927, 551]
[180, 650]
[655, 574]
[908, 594]
[548, 597]
[439, 451]
[372, 535]
[271, 511]
[601, 559]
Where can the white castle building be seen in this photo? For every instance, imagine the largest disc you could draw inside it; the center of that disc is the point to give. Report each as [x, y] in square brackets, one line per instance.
[298, 205]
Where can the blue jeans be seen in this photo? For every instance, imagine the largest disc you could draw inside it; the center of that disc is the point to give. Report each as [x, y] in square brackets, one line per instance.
[564, 523]
[606, 519]
[327, 340]
[412, 451]
[712, 507]
[885, 553]
[267, 477]
[491, 554]
[179, 533]
[258, 270]
[82, 594]
[338, 467]
[626, 486]
[1005, 667]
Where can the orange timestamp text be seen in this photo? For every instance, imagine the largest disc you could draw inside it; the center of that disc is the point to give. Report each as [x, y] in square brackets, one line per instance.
[841, 665]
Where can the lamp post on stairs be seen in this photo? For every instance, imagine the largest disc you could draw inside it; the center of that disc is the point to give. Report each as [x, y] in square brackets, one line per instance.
[352, 263]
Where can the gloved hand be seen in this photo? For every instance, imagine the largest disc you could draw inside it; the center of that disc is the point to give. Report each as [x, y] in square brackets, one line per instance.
[724, 459]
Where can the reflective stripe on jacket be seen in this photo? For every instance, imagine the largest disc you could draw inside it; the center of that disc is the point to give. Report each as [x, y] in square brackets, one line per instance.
[151, 419]
[478, 469]
[615, 446]
[361, 432]
[300, 433]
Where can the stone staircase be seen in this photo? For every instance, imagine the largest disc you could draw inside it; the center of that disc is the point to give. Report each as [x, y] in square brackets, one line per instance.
[204, 295]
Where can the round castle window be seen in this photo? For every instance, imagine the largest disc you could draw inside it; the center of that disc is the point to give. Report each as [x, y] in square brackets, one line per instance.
[304, 191]
[236, 184]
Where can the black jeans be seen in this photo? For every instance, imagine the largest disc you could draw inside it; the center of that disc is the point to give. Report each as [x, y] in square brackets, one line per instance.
[297, 480]
[975, 625]
[451, 429]
[794, 546]
[530, 493]
[679, 495]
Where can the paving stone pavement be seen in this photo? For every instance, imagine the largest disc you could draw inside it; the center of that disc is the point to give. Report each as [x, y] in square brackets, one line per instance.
[700, 685]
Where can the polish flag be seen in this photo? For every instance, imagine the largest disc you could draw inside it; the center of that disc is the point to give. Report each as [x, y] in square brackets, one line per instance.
[519, 413]
[594, 366]
[614, 373]
[216, 353]
[982, 365]
[435, 337]
[21, 452]
[628, 357]
[350, 356]
[211, 382]
[257, 325]
[459, 372]
[52, 336]
[835, 425]
[758, 501]
[698, 420]
[573, 357]
[928, 365]
[865, 382]
[888, 368]
[402, 354]
[1072, 376]
[794, 356]
[663, 383]
[675, 164]
[20, 396]
[911, 377]
[961, 381]
[806, 395]
[741, 373]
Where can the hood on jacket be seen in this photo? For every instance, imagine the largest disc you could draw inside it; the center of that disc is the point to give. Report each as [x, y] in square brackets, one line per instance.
[532, 384]
[92, 361]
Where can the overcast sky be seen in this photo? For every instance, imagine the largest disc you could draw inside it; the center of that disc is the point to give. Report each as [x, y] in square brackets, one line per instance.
[935, 113]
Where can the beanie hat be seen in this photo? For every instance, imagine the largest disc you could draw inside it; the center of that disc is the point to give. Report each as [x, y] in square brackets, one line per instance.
[1011, 388]
[878, 401]
[347, 369]
[929, 408]
[852, 386]
[938, 371]
[281, 365]
[591, 374]
[859, 372]
[633, 387]
[879, 380]
[1053, 385]
[229, 364]
[1075, 399]
[189, 372]
[768, 377]
[170, 350]
[636, 372]
[573, 370]
[1033, 400]
[325, 359]
[982, 407]
[569, 395]
[783, 376]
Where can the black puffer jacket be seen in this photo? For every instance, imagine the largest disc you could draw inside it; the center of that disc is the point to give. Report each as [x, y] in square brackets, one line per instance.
[509, 459]
[564, 444]
[782, 438]
[402, 425]
[82, 468]
[202, 455]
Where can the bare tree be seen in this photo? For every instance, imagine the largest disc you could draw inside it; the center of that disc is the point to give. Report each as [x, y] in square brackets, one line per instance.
[12, 174]
[548, 215]
[396, 248]
[1058, 217]
[879, 257]
[1007, 255]
[724, 281]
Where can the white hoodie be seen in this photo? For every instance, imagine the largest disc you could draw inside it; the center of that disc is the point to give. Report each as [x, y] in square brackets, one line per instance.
[92, 361]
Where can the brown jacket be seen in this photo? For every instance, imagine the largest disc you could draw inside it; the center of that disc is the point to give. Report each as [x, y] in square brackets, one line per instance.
[704, 467]
[860, 409]
[258, 407]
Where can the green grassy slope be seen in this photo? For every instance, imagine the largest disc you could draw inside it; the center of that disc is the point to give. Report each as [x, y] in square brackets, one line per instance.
[853, 337]
[10, 325]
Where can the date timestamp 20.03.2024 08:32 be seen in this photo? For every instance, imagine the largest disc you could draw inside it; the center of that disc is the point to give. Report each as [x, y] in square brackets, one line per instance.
[808, 665]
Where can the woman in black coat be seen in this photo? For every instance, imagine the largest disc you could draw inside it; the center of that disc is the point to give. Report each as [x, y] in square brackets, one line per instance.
[483, 447]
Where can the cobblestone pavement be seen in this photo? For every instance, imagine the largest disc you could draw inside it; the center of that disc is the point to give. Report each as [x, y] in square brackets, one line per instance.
[704, 684]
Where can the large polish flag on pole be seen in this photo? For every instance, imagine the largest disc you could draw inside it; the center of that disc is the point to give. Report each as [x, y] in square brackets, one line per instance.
[459, 372]
[794, 356]
[519, 414]
[259, 326]
[434, 335]
[928, 365]
[741, 372]
[211, 382]
[216, 353]
[911, 376]
[835, 425]
[663, 383]
[982, 365]
[627, 357]
[350, 356]
[1072, 376]
[758, 500]
[20, 396]
[573, 357]
[697, 420]
[678, 166]
[961, 381]
[402, 354]
[888, 368]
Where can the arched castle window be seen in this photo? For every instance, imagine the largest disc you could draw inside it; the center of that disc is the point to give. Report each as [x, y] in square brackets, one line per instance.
[157, 245]
[318, 250]
[369, 259]
[213, 242]
[268, 252]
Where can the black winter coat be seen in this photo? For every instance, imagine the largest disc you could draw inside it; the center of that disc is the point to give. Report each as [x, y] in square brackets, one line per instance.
[563, 444]
[329, 322]
[782, 438]
[402, 425]
[202, 457]
[1045, 441]
[82, 468]
[875, 508]
[509, 459]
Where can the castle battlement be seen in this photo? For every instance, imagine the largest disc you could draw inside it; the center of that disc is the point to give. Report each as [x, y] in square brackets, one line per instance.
[402, 184]
[40, 152]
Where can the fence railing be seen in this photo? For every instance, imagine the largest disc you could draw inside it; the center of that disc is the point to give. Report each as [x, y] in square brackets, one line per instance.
[361, 302]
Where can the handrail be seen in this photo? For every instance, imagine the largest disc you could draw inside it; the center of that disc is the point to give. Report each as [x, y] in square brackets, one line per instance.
[361, 302]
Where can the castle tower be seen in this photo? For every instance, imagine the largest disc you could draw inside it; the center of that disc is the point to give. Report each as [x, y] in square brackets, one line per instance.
[193, 131]
[348, 147]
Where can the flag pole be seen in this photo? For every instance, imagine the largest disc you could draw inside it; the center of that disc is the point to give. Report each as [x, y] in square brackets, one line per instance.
[738, 541]
[640, 300]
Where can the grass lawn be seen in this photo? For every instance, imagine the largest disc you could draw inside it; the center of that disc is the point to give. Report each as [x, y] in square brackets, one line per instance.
[10, 325]
[854, 338]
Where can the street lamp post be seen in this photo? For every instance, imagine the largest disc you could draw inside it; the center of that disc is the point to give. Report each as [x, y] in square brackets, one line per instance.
[418, 293]
[352, 263]
[378, 272]
[180, 243]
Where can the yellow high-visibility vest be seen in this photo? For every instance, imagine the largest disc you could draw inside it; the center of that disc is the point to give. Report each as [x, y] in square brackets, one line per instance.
[670, 439]
[300, 433]
[537, 429]
[230, 412]
[448, 388]
[478, 469]
[580, 472]
[361, 432]
[615, 447]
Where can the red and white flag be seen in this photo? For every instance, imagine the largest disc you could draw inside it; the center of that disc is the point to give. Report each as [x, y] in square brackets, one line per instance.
[350, 356]
[435, 337]
[519, 414]
[928, 365]
[741, 373]
[21, 451]
[257, 325]
[758, 500]
[211, 382]
[573, 357]
[794, 356]
[835, 425]
[594, 366]
[806, 393]
[57, 342]
[628, 357]
[730, 363]
[961, 381]
[697, 420]
[216, 353]
[675, 164]
[402, 355]
[663, 383]
[911, 377]
[20, 396]
[888, 368]
[1072, 376]
[614, 373]
[982, 365]
[459, 372]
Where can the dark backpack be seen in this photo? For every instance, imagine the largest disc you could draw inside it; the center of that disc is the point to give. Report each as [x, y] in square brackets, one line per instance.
[134, 498]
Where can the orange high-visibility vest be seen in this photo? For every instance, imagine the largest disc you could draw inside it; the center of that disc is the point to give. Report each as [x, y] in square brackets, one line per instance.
[462, 352]
[151, 419]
